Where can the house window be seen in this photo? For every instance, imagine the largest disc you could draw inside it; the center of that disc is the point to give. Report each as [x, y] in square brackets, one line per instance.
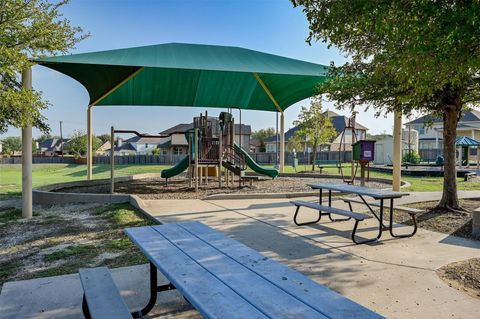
[146, 145]
[164, 151]
[421, 130]
[177, 151]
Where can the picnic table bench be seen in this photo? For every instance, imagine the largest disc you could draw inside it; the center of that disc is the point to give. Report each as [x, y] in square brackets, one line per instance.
[223, 278]
[328, 210]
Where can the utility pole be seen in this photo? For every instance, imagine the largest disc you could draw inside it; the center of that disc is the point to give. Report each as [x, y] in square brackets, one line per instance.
[61, 138]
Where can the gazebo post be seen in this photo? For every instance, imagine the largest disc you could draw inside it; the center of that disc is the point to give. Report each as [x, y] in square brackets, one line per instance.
[397, 150]
[89, 142]
[478, 157]
[460, 157]
[282, 142]
[27, 211]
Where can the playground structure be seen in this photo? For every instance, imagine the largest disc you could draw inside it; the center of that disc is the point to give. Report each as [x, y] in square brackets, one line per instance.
[211, 147]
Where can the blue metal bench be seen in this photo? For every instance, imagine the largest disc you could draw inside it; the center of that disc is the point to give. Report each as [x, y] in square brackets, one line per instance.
[223, 278]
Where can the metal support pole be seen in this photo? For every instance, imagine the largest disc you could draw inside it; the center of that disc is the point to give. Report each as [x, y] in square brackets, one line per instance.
[27, 210]
[282, 142]
[112, 160]
[89, 143]
[195, 165]
[397, 151]
[276, 139]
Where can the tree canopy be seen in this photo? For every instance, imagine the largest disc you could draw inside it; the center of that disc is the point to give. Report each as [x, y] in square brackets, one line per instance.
[29, 29]
[314, 126]
[404, 55]
[77, 144]
[262, 135]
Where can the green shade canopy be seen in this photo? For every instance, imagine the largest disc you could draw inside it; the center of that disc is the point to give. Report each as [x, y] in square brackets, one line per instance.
[177, 74]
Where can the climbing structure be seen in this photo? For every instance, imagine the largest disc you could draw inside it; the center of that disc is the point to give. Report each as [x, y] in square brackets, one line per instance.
[211, 148]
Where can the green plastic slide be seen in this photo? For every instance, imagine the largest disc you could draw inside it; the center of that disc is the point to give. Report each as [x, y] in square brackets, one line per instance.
[271, 172]
[177, 169]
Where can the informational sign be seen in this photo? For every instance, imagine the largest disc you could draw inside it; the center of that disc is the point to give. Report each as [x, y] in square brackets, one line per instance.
[367, 154]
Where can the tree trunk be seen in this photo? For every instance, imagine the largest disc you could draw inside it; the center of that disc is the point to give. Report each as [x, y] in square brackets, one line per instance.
[450, 119]
[314, 157]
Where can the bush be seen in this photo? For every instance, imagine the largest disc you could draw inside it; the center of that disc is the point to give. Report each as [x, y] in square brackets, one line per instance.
[411, 157]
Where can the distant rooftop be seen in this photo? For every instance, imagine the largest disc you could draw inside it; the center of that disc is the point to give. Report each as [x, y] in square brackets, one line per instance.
[467, 116]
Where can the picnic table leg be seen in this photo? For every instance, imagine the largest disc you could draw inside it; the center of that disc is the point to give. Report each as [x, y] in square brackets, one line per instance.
[86, 312]
[154, 289]
[379, 218]
[391, 224]
[330, 205]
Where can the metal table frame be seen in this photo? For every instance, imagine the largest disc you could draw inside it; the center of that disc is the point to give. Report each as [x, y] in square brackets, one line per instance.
[357, 190]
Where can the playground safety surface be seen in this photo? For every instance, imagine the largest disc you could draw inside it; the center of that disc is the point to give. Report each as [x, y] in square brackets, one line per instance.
[155, 188]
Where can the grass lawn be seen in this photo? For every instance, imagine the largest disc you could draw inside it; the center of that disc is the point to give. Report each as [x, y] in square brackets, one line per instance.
[44, 174]
[418, 184]
[60, 240]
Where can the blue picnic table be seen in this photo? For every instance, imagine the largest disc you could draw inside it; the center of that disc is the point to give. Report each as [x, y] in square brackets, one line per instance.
[223, 278]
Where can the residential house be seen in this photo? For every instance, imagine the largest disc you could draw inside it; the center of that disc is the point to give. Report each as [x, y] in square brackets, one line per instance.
[145, 145]
[384, 145]
[51, 147]
[177, 144]
[122, 148]
[430, 129]
[103, 149]
[339, 122]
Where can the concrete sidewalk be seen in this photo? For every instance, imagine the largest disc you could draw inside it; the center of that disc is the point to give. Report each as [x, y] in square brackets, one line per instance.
[395, 277]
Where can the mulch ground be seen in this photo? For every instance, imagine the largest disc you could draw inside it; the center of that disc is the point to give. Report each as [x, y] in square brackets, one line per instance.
[463, 275]
[155, 188]
[443, 221]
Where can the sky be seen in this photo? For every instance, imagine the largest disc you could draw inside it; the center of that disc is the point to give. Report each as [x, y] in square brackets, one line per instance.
[271, 26]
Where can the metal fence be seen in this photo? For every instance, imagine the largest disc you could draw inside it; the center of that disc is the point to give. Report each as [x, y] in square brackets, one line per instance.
[427, 155]
[140, 159]
[303, 158]
[39, 160]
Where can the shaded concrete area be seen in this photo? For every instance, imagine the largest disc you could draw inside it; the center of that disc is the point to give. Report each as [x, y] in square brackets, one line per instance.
[61, 296]
[395, 277]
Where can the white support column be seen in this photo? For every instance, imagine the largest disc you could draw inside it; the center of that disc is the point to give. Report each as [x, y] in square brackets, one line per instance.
[89, 143]
[397, 151]
[478, 157]
[282, 142]
[460, 157]
[27, 211]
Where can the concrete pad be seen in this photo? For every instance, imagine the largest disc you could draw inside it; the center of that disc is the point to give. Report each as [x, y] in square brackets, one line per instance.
[395, 277]
[61, 296]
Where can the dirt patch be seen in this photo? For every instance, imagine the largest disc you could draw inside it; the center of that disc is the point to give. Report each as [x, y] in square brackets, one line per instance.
[443, 221]
[463, 275]
[155, 188]
[61, 239]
